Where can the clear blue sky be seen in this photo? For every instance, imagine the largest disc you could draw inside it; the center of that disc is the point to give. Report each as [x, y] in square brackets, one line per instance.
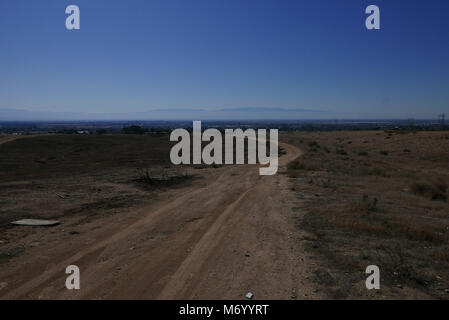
[139, 55]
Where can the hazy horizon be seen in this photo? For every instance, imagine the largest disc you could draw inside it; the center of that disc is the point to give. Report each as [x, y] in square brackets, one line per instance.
[224, 59]
[231, 114]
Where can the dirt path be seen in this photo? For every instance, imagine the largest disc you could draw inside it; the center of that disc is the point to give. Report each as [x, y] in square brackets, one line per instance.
[5, 139]
[218, 239]
[8, 138]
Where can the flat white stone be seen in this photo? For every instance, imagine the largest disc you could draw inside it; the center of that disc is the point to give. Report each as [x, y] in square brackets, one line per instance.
[35, 222]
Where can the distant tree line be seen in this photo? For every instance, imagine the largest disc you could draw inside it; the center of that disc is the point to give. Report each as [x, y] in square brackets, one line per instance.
[140, 130]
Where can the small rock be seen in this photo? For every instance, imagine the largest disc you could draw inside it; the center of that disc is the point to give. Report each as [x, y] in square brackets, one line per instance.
[247, 254]
[132, 248]
[447, 290]
[3, 285]
[249, 295]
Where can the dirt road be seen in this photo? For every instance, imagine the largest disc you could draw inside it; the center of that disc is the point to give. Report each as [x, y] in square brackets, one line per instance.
[9, 138]
[225, 235]
[5, 139]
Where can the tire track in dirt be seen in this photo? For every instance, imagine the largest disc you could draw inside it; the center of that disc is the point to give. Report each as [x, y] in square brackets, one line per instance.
[192, 244]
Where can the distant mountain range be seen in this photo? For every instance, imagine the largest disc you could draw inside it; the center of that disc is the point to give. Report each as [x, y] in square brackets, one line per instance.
[164, 114]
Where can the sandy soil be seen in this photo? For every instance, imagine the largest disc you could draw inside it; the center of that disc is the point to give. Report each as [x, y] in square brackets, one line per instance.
[218, 238]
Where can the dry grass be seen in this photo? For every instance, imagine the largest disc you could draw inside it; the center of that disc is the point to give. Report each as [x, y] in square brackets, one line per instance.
[435, 191]
[387, 206]
[152, 179]
[58, 175]
[56, 155]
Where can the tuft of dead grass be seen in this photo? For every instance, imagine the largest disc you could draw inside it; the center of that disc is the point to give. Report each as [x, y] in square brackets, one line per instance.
[435, 191]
